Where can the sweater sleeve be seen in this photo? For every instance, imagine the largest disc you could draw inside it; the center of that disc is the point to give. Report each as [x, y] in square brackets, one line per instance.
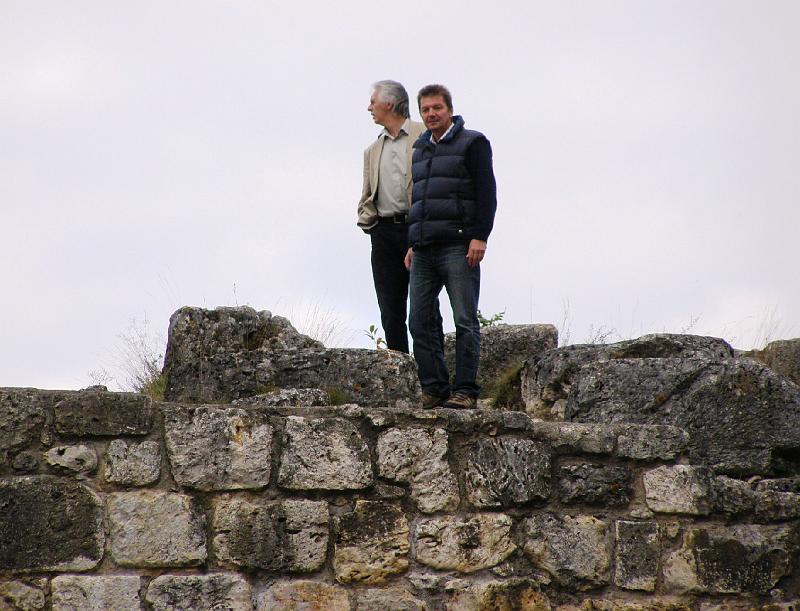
[479, 165]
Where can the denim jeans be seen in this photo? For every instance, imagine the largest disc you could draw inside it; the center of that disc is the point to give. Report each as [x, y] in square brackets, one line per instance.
[432, 268]
[389, 247]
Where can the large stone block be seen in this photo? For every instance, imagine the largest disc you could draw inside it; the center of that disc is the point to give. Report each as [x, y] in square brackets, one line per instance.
[133, 464]
[227, 591]
[660, 603]
[464, 544]
[49, 524]
[574, 550]
[99, 413]
[651, 442]
[304, 595]
[155, 529]
[595, 484]
[22, 596]
[218, 448]
[417, 457]
[371, 544]
[782, 356]
[289, 535]
[24, 414]
[396, 599]
[96, 593]
[678, 489]
[516, 594]
[506, 471]
[638, 551]
[323, 454]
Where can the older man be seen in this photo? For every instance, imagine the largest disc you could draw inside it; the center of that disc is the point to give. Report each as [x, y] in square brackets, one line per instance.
[452, 214]
[384, 204]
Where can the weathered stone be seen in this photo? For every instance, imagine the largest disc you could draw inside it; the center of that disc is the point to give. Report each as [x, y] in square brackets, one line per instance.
[95, 593]
[782, 356]
[595, 485]
[80, 458]
[733, 605]
[576, 437]
[396, 599]
[371, 544]
[26, 462]
[573, 550]
[303, 595]
[732, 496]
[24, 414]
[323, 454]
[417, 457]
[94, 413]
[289, 535]
[218, 448]
[772, 505]
[155, 529]
[465, 544]
[287, 397]
[651, 442]
[21, 596]
[730, 560]
[637, 554]
[678, 489]
[505, 471]
[133, 464]
[504, 347]
[516, 594]
[226, 591]
[49, 525]
[666, 603]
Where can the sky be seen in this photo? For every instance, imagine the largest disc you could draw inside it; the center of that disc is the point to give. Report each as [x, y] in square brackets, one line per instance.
[161, 154]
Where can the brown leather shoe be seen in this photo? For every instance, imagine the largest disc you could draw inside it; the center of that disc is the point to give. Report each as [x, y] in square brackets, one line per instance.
[461, 400]
[430, 401]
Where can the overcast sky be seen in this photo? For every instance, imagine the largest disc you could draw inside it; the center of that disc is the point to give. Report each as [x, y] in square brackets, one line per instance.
[161, 154]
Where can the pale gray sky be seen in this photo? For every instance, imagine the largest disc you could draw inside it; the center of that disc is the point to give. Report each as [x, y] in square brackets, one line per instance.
[161, 154]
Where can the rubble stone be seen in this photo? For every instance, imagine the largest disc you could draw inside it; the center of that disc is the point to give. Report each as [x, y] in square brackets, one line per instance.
[304, 595]
[95, 593]
[637, 555]
[200, 593]
[592, 484]
[133, 464]
[79, 459]
[396, 599]
[21, 596]
[516, 594]
[678, 489]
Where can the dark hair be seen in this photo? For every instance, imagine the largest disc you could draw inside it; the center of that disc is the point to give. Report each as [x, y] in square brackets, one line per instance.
[431, 90]
[395, 94]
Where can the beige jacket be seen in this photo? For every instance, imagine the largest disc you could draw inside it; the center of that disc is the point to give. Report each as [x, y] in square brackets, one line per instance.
[367, 213]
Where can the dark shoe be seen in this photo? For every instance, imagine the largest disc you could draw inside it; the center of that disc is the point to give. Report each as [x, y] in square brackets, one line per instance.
[429, 401]
[461, 400]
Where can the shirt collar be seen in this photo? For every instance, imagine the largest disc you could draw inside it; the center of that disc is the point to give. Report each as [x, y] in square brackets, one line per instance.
[444, 135]
[404, 129]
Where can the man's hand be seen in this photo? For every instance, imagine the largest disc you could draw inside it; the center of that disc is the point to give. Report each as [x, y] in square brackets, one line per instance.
[409, 256]
[477, 249]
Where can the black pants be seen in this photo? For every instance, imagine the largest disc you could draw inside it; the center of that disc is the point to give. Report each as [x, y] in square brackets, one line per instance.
[389, 247]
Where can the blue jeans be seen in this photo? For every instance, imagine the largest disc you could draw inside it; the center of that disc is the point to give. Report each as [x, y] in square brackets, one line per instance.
[432, 268]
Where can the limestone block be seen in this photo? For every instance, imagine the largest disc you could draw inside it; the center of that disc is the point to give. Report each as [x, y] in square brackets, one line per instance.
[516, 594]
[218, 448]
[95, 593]
[287, 397]
[730, 560]
[396, 599]
[323, 454]
[783, 357]
[79, 458]
[464, 544]
[26, 462]
[211, 592]
[417, 457]
[573, 550]
[96, 413]
[662, 603]
[678, 489]
[732, 496]
[371, 544]
[774, 505]
[595, 485]
[577, 437]
[651, 442]
[133, 464]
[47, 524]
[21, 596]
[304, 595]
[505, 471]
[637, 553]
[288, 535]
[155, 529]
[23, 416]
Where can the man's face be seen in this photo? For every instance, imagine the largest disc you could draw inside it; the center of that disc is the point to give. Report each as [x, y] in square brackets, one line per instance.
[435, 114]
[380, 111]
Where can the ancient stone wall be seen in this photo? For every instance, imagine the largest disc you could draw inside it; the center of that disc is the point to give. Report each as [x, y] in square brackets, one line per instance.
[111, 501]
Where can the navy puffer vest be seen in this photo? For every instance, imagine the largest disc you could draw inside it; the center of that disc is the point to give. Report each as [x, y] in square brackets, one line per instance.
[443, 197]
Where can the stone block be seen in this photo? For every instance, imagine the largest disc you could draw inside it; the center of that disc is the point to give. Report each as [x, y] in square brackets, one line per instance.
[323, 454]
[96, 413]
[783, 357]
[304, 595]
[772, 505]
[506, 471]
[651, 442]
[287, 397]
[575, 551]
[212, 592]
[678, 489]
[133, 464]
[661, 603]
[95, 593]
[49, 524]
[24, 414]
[288, 535]
[396, 599]
[417, 457]
[155, 529]
[22, 596]
[78, 459]
[516, 594]
[464, 543]
[638, 550]
[595, 485]
[576, 437]
[371, 544]
[732, 496]
[218, 448]
[732, 559]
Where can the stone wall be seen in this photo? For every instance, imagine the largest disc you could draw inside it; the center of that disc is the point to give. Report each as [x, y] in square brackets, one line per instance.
[111, 501]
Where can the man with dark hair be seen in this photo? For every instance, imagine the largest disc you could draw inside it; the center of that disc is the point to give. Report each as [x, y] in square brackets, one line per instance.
[384, 204]
[454, 199]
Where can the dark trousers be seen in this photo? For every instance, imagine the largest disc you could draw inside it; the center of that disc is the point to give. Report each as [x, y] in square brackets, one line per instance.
[389, 247]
